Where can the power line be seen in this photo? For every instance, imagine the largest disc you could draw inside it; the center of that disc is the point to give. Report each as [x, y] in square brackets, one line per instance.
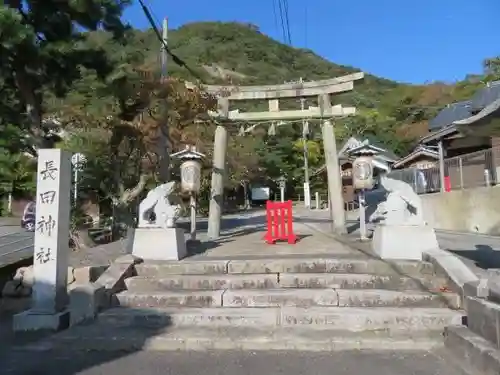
[287, 22]
[275, 15]
[174, 57]
[155, 16]
[280, 6]
[306, 21]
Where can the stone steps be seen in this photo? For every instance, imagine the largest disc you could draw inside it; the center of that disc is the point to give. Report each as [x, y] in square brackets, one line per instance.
[355, 320]
[285, 280]
[203, 282]
[361, 265]
[103, 338]
[287, 297]
[284, 304]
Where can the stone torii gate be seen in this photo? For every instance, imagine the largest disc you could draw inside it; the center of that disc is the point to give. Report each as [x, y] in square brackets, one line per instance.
[273, 93]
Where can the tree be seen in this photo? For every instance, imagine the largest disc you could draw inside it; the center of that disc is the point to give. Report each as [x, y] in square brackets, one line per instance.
[492, 67]
[43, 48]
[17, 174]
[124, 138]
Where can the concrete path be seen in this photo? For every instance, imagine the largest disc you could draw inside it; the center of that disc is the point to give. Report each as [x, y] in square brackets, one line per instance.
[231, 363]
[246, 242]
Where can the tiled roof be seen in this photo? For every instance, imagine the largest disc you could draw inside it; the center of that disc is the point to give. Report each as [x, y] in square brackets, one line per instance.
[486, 96]
[491, 109]
[453, 112]
[419, 150]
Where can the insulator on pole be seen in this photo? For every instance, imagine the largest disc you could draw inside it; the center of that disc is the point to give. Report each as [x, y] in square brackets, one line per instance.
[272, 129]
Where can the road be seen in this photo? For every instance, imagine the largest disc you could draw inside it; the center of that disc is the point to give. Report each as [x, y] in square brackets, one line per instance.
[15, 243]
[230, 363]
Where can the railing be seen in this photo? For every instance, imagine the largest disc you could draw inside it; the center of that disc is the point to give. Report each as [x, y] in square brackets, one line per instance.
[461, 172]
[322, 202]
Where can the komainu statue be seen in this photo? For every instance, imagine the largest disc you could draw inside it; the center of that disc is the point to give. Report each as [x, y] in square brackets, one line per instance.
[163, 202]
[402, 206]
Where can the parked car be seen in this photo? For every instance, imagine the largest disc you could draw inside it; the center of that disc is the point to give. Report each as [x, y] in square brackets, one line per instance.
[29, 217]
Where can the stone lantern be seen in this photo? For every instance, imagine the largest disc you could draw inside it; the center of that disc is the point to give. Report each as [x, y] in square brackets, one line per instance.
[362, 176]
[190, 178]
[282, 185]
[362, 173]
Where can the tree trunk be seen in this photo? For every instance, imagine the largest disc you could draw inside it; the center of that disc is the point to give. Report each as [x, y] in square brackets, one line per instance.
[123, 219]
[80, 239]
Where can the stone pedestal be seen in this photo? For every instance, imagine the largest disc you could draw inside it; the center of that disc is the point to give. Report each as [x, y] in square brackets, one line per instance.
[159, 244]
[32, 320]
[403, 242]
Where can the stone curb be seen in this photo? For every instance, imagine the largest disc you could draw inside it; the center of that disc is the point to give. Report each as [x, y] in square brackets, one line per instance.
[464, 281]
[474, 352]
[87, 299]
[112, 281]
[459, 233]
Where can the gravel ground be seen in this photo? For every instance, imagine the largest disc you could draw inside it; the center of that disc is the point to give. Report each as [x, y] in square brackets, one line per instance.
[232, 363]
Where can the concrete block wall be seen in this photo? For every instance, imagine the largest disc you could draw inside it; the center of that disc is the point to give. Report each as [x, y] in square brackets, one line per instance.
[470, 210]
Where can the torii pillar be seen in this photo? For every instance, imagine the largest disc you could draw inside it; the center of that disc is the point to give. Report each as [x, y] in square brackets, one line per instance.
[336, 201]
[218, 175]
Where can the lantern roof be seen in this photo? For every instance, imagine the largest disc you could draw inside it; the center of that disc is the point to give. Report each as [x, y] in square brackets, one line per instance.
[189, 153]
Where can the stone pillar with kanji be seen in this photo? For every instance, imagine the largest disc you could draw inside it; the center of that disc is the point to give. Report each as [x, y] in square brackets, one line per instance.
[51, 244]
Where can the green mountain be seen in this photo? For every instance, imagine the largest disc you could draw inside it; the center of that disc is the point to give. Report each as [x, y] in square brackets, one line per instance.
[241, 54]
[236, 53]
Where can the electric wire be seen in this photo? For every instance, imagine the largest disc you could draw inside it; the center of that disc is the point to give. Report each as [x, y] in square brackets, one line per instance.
[281, 10]
[275, 16]
[174, 57]
[306, 24]
[287, 21]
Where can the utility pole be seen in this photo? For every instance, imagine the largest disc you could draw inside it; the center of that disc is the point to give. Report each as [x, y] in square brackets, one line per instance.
[164, 55]
[163, 152]
[305, 133]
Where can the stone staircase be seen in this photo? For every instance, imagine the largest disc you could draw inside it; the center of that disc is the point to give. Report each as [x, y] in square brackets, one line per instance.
[284, 304]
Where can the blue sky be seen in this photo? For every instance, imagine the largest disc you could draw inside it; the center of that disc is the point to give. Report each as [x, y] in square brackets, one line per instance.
[405, 40]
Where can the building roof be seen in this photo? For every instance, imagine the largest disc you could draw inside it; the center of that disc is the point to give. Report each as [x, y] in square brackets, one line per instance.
[490, 110]
[352, 142]
[419, 151]
[481, 106]
[382, 157]
[377, 163]
[356, 142]
[452, 112]
[455, 112]
[438, 134]
[485, 96]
